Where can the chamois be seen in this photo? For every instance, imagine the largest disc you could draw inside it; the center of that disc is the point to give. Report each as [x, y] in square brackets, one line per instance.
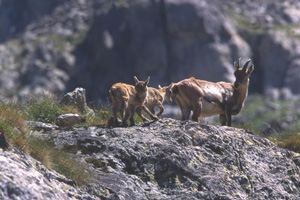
[207, 98]
[156, 97]
[127, 98]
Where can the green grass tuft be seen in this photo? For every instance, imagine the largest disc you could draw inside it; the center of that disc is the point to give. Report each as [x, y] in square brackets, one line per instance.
[101, 115]
[45, 109]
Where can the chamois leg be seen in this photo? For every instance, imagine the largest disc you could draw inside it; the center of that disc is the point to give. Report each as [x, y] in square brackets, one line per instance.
[115, 110]
[228, 113]
[127, 115]
[131, 114]
[139, 112]
[123, 107]
[161, 108]
[131, 119]
[197, 108]
[185, 111]
[151, 108]
[149, 113]
[222, 119]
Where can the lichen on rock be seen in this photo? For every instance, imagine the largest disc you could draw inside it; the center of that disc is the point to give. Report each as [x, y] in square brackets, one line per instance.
[171, 159]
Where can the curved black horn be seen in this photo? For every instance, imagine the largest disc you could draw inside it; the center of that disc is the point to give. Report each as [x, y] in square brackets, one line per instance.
[147, 81]
[135, 79]
[237, 64]
[246, 64]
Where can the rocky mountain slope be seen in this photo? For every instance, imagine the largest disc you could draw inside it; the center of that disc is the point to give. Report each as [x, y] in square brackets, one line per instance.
[55, 46]
[22, 177]
[167, 159]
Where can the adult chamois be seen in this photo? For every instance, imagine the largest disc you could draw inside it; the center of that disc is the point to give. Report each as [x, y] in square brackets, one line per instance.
[206, 98]
[126, 99]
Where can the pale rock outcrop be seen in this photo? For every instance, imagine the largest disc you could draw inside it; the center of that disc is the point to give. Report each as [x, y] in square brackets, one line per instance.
[77, 98]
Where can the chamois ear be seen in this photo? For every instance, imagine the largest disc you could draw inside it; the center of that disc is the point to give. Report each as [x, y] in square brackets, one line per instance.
[250, 70]
[246, 65]
[135, 79]
[159, 87]
[170, 85]
[147, 81]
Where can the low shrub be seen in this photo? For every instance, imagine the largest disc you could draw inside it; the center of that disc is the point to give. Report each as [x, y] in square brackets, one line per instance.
[45, 109]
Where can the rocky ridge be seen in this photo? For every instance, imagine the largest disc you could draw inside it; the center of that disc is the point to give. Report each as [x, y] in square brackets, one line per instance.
[171, 159]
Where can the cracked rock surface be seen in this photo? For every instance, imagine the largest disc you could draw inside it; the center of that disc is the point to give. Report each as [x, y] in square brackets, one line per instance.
[171, 159]
[22, 177]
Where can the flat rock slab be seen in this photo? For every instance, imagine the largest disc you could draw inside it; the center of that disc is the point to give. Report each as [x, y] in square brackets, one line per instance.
[69, 120]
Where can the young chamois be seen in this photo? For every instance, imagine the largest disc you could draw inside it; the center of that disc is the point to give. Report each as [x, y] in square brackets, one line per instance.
[207, 98]
[156, 97]
[126, 99]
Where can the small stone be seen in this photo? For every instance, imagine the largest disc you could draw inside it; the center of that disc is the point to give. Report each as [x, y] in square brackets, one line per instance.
[69, 120]
[103, 137]
[41, 125]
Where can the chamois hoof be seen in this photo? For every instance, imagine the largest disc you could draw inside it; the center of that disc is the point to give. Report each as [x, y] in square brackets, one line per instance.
[110, 123]
[155, 118]
[145, 119]
[113, 123]
[124, 124]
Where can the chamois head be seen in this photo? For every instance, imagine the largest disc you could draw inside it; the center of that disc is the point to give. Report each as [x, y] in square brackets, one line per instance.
[168, 93]
[141, 86]
[242, 74]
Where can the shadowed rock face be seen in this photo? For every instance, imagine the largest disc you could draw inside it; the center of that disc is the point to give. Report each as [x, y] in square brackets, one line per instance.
[16, 15]
[169, 40]
[59, 45]
[171, 159]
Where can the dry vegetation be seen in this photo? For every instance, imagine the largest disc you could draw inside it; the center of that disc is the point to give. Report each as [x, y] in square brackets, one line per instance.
[282, 117]
[45, 109]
